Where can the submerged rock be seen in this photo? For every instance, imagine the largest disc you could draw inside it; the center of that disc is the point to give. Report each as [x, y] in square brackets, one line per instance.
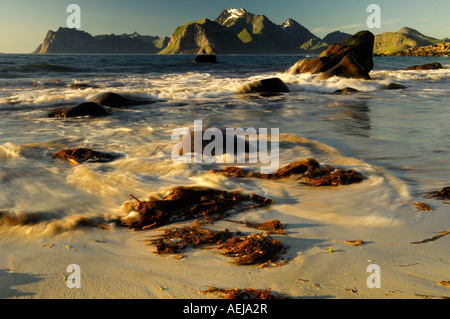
[206, 58]
[237, 141]
[359, 46]
[428, 66]
[308, 171]
[82, 109]
[272, 85]
[117, 100]
[83, 155]
[184, 203]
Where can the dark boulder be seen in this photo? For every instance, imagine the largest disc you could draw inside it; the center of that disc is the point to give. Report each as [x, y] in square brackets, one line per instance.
[360, 46]
[82, 109]
[117, 100]
[237, 142]
[428, 66]
[206, 58]
[272, 85]
[347, 68]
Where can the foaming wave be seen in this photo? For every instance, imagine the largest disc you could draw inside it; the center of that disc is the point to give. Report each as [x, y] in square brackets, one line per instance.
[9, 151]
[413, 75]
[49, 223]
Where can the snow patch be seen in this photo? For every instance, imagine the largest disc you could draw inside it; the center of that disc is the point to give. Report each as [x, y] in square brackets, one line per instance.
[235, 13]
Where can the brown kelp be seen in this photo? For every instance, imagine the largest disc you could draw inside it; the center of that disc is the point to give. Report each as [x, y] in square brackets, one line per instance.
[443, 194]
[237, 293]
[271, 226]
[442, 234]
[185, 203]
[308, 171]
[174, 240]
[423, 207]
[253, 249]
[83, 155]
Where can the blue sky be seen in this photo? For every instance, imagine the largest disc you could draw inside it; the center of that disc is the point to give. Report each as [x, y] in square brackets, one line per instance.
[24, 23]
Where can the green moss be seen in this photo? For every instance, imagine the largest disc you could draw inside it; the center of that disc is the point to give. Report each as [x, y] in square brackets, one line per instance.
[178, 31]
[207, 49]
[202, 21]
[245, 36]
[258, 24]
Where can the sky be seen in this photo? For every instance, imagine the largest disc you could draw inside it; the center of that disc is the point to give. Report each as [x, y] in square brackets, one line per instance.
[24, 23]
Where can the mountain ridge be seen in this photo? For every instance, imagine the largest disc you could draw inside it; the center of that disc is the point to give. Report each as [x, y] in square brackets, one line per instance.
[66, 40]
[234, 31]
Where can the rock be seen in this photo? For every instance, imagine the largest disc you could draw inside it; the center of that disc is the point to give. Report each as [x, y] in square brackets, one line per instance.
[347, 68]
[117, 100]
[428, 66]
[206, 58]
[272, 85]
[82, 109]
[394, 86]
[237, 141]
[346, 91]
[359, 46]
[83, 155]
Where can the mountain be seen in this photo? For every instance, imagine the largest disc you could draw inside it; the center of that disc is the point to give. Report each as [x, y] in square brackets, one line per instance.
[403, 39]
[239, 31]
[440, 49]
[202, 36]
[335, 37]
[66, 40]
[234, 31]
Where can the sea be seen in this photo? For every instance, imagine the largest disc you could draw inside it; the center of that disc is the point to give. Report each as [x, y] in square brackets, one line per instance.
[398, 139]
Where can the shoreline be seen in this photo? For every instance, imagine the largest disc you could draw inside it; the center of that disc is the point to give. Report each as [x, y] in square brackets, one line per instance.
[118, 264]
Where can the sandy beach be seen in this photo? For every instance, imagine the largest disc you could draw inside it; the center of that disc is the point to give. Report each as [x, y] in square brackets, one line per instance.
[118, 263]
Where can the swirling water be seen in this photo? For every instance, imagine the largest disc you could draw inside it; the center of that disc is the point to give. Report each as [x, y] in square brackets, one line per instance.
[399, 139]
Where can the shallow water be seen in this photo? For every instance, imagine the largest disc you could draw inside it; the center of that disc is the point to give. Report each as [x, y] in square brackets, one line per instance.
[399, 139]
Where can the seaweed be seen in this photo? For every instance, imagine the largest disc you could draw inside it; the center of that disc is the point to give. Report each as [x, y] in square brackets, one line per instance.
[354, 242]
[175, 240]
[185, 203]
[253, 249]
[83, 155]
[237, 293]
[443, 194]
[308, 170]
[330, 176]
[442, 234]
[272, 226]
[423, 207]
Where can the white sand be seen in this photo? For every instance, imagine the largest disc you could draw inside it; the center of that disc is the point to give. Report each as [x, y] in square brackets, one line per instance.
[122, 266]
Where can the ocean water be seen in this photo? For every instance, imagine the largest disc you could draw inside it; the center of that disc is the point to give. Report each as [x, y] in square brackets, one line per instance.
[399, 139]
